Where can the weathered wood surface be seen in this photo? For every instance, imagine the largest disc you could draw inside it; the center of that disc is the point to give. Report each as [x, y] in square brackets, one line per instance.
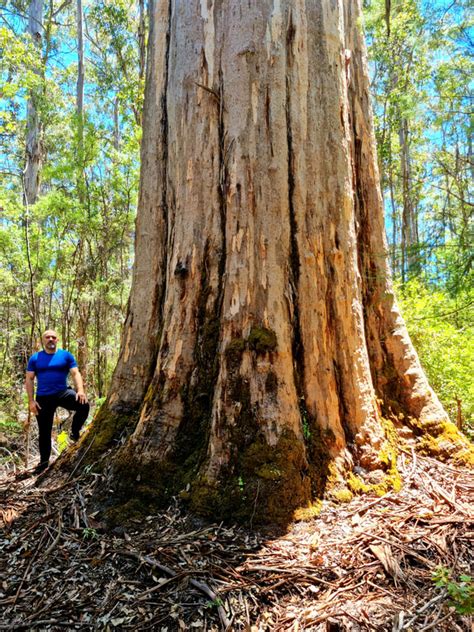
[262, 310]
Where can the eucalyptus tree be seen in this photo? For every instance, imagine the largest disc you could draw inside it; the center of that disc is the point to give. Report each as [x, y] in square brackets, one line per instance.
[399, 53]
[34, 154]
[263, 344]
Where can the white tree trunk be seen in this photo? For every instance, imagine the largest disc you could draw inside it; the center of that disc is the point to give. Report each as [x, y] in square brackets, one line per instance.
[31, 178]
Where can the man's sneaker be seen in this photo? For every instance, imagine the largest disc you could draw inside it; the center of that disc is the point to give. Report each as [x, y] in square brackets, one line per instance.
[40, 468]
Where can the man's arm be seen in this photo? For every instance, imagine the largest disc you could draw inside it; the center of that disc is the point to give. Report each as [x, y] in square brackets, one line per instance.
[30, 390]
[78, 385]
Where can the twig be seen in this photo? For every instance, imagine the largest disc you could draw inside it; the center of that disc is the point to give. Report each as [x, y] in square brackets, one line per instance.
[291, 571]
[61, 624]
[427, 605]
[81, 459]
[27, 438]
[144, 596]
[363, 509]
[204, 588]
[85, 519]
[437, 622]
[255, 505]
[56, 539]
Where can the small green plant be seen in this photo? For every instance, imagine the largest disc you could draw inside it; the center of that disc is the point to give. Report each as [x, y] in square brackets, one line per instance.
[215, 603]
[88, 533]
[305, 420]
[461, 592]
[62, 441]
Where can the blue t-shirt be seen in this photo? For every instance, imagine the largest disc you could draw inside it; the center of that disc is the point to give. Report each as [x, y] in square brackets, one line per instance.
[51, 370]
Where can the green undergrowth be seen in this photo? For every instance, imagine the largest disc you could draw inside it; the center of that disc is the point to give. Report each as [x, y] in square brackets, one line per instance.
[460, 589]
[441, 328]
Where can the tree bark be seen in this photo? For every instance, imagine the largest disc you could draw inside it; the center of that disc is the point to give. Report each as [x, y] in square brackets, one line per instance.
[80, 86]
[141, 39]
[34, 150]
[263, 343]
[409, 245]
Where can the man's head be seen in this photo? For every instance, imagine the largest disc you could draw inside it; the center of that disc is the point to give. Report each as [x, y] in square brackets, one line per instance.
[50, 341]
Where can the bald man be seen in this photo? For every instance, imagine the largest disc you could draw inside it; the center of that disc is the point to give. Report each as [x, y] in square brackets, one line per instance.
[51, 368]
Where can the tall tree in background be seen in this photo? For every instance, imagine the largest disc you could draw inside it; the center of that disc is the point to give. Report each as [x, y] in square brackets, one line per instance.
[33, 122]
[83, 306]
[262, 343]
[400, 71]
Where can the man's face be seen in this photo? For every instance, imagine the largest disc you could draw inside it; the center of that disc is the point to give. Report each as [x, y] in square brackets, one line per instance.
[50, 341]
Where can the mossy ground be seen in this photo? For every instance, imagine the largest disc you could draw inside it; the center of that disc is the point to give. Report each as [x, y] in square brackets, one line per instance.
[445, 442]
[388, 476]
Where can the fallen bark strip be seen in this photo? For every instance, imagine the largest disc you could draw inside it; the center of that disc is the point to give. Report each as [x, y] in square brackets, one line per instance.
[204, 588]
[31, 626]
[292, 571]
[454, 520]
[404, 548]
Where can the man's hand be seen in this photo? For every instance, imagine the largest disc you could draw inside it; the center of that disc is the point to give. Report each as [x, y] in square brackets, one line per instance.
[81, 397]
[34, 407]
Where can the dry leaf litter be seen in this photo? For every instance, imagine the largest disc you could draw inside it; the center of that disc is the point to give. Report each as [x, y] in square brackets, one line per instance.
[363, 565]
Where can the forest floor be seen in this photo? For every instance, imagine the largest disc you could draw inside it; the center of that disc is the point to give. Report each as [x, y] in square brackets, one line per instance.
[363, 565]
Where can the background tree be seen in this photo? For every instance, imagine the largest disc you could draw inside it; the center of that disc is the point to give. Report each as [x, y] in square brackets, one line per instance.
[421, 63]
[65, 258]
[262, 344]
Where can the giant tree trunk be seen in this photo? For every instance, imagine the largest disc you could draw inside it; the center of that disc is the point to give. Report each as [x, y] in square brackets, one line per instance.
[262, 342]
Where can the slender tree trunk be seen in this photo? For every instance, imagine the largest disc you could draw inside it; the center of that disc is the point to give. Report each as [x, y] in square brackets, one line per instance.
[410, 242]
[141, 39]
[263, 342]
[80, 83]
[33, 123]
[83, 305]
[116, 124]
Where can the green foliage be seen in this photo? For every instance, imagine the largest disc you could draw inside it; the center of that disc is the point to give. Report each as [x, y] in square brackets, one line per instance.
[62, 441]
[88, 533]
[460, 590]
[421, 83]
[441, 327]
[215, 603]
[65, 261]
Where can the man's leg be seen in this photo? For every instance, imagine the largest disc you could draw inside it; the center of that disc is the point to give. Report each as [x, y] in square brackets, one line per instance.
[45, 425]
[68, 401]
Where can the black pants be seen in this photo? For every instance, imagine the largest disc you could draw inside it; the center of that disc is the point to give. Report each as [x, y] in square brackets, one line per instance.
[48, 403]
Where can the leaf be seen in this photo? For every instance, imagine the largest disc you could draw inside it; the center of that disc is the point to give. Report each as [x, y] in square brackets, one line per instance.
[383, 553]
